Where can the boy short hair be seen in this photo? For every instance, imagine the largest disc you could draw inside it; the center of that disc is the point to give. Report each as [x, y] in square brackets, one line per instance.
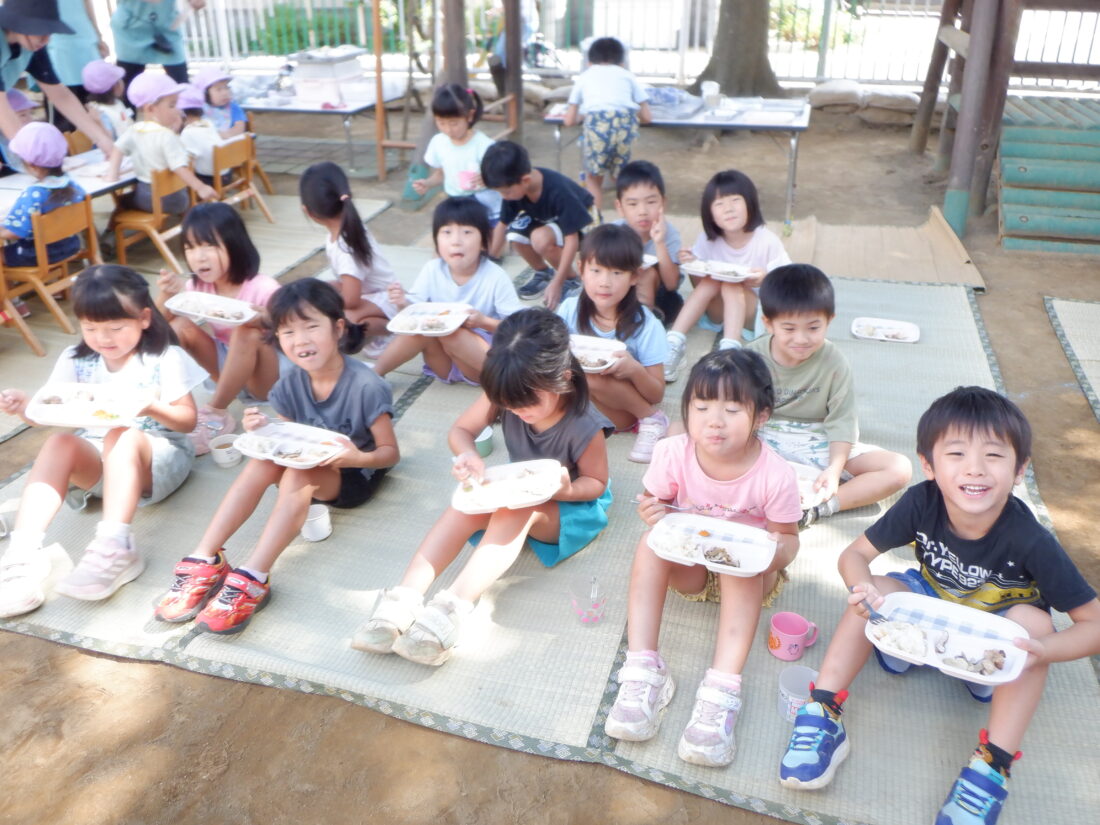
[639, 173]
[796, 289]
[504, 164]
[606, 50]
[974, 410]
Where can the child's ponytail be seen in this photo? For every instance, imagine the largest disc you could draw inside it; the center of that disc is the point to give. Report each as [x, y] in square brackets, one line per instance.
[325, 193]
[453, 100]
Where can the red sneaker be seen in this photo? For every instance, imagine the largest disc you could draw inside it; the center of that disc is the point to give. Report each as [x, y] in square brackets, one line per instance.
[238, 599]
[196, 583]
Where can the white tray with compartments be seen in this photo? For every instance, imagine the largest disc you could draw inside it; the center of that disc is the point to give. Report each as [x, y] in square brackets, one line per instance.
[884, 329]
[515, 486]
[434, 319]
[204, 307]
[595, 354]
[722, 546]
[289, 444]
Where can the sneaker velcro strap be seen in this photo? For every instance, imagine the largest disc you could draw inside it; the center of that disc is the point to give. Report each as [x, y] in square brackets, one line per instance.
[637, 673]
[395, 610]
[439, 623]
[717, 696]
[983, 783]
[809, 720]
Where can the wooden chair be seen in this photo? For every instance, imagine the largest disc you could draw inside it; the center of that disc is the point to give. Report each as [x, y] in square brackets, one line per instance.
[238, 156]
[152, 225]
[78, 142]
[47, 279]
[255, 164]
[10, 315]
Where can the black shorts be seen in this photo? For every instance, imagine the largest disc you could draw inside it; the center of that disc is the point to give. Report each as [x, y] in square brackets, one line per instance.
[355, 488]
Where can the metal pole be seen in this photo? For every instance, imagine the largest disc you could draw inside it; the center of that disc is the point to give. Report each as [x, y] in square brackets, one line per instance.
[309, 25]
[823, 43]
[685, 31]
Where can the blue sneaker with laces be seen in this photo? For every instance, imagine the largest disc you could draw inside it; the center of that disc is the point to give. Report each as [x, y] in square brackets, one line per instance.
[818, 745]
[976, 798]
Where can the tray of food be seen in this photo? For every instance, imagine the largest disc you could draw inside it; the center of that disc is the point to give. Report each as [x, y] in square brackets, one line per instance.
[958, 640]
[204, 307]
[806, 475]
[595, 354]
[289, 444]
[428, 318]
[648, 261]
[722, 546]
[719, 270]
[883, 329]
[86, 405]
[515, 486]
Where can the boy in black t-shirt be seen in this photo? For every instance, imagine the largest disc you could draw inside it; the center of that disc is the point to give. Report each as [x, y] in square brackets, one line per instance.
[545, 212]
[977, 545]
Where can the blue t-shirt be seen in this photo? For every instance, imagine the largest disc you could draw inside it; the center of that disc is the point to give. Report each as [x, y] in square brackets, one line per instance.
[226, 117]
[648, 345]
[35, 198]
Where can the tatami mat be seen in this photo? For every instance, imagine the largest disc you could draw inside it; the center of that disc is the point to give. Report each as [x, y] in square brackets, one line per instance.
[1077, 325]
[528, 676]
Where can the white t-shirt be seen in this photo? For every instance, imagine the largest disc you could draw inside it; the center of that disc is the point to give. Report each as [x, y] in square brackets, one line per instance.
[199, 139]
[443, 154]
[375, 277]
[152, 147]
[763, 251]
[167, 377]
[490, 291]
[605, 86]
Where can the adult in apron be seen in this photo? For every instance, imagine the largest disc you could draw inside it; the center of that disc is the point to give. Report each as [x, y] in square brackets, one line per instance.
[148, 31]
[70, 53]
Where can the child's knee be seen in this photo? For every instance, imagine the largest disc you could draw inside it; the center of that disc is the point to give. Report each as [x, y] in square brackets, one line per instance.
[543, 240]
[1034, 620]
[250, 336]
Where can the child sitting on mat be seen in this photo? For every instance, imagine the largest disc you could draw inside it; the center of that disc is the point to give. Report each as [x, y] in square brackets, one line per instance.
[976, 545]
[535, 390]
[814, 420]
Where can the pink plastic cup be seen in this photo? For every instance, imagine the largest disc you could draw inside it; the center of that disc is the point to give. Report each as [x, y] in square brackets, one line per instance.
[468, 180]
[789, 635]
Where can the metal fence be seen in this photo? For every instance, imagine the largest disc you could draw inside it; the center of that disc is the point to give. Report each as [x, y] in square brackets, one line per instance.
[879, 41]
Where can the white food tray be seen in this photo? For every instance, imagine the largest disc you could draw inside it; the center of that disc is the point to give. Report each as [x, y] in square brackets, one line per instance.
[648, 261]
[806, 476]
[217, 309]
[970, 632]
[719, 270]
[679, 537]
[883, 329]
[429, 318]
[515, 486]
[598, 352]
[278, 441]
[86, 405]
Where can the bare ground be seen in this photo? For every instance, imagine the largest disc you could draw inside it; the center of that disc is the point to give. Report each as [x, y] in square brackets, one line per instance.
[91, 739]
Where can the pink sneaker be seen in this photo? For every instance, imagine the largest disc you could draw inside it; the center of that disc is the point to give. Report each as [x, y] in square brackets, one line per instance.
[644, 691]
[708, 738]
[651, 429]
[106, 565]
[209, 426]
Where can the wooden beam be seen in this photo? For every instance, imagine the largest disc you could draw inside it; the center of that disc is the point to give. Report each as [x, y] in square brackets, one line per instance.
[955, 39]
[1063, 71]
[454, 42]
[1060, 5]
[513, 68]
[922, 121]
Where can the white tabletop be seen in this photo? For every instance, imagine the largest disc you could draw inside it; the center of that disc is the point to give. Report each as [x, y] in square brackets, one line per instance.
[763, 114]
[86, 169]
[359, 97]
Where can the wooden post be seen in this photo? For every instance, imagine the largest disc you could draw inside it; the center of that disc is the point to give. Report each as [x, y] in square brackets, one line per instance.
[922, 122]
[993, 108]
[954, 87]
[513, 70]
[956, 201]
[454, 41]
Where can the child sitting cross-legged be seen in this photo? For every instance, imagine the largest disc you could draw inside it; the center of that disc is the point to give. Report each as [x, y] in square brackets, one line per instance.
[976, 545]
[717, 468]
[815, 420]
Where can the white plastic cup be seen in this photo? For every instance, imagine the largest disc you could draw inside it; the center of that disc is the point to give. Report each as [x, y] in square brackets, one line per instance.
[712, 94]
[318, 524]
[794, 689]
[588, 598]
[225, 454]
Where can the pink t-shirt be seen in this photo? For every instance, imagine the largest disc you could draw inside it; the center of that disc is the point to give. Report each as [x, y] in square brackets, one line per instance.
[763, 251]
[767, 492]
[257, 290]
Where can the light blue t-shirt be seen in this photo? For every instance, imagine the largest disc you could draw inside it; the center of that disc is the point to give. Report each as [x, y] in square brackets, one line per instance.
[225, 117]
[672, 241]
[135, 23]
[648, 345]
[490, 291]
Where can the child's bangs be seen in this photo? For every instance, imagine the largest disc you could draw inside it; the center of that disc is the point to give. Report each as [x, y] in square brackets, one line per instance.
[505, 380]
[292, 306]
[716, 384]
[95, 299]
[446, 104]
[619, 250]
[198, 230]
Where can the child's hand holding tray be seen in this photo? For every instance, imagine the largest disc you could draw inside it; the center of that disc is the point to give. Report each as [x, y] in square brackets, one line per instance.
[291, 445]
[515, 486]
[595, 354]
[202, 307]
[960, 641]
[722, 546]
[89, 406]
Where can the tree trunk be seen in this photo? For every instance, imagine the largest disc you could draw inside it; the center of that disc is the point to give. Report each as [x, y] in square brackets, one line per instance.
[739, 60]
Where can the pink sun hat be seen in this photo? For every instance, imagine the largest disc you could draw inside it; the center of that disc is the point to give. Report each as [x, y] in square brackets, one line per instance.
[41, 144]
[190, 98]
[149, 87]
[208, 77]
[19, 102]
[99, 76]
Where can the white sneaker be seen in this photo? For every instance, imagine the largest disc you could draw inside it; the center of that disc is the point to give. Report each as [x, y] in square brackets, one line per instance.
[651, 429]
[644, 691]
[729, 343]
[107, 564]
[708, 737]
[22, 581]
[673, 361]
[395, 612]
[430, 640]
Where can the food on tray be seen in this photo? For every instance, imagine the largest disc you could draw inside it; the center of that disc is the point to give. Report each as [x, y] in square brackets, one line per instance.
[941, 641]
[593, 363]
[719, 555]
[430, 324]
[891, 333]
[990, 662]
[53, 399]
[104, 415]
[901, 636]
[225, 314]
[408, 324]
[724, 268]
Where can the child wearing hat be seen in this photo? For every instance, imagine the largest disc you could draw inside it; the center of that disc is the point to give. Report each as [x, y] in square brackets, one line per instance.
[103, 83]
[225, 113]
[24, 108]
[153, 145]
[42, 148]
[199, 134]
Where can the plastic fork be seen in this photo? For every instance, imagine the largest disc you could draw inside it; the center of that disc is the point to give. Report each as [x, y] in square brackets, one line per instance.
[638, 500]
[873, 616]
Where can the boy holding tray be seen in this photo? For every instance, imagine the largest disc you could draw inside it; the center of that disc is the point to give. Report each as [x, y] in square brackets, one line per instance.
[976, 545]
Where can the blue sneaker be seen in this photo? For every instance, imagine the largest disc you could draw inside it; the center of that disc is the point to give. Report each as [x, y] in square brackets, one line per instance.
[981, 693]
[571, 287]
[818, 745]
[536, 284]
[892, 664]
[976, 798]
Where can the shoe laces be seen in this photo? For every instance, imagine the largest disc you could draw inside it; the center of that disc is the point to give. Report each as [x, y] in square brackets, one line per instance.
[227, 596]
[972, 799]
[806, 739]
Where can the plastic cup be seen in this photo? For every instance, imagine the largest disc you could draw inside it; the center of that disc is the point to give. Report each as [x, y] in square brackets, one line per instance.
[225, 454]
[318, 524]
[712, 94]
[588, 598]
[789, 635]
[794, 689]
[468, 180]
[484, 442]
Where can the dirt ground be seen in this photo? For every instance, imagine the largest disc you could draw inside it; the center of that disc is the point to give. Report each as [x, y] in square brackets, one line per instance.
[91, 739]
